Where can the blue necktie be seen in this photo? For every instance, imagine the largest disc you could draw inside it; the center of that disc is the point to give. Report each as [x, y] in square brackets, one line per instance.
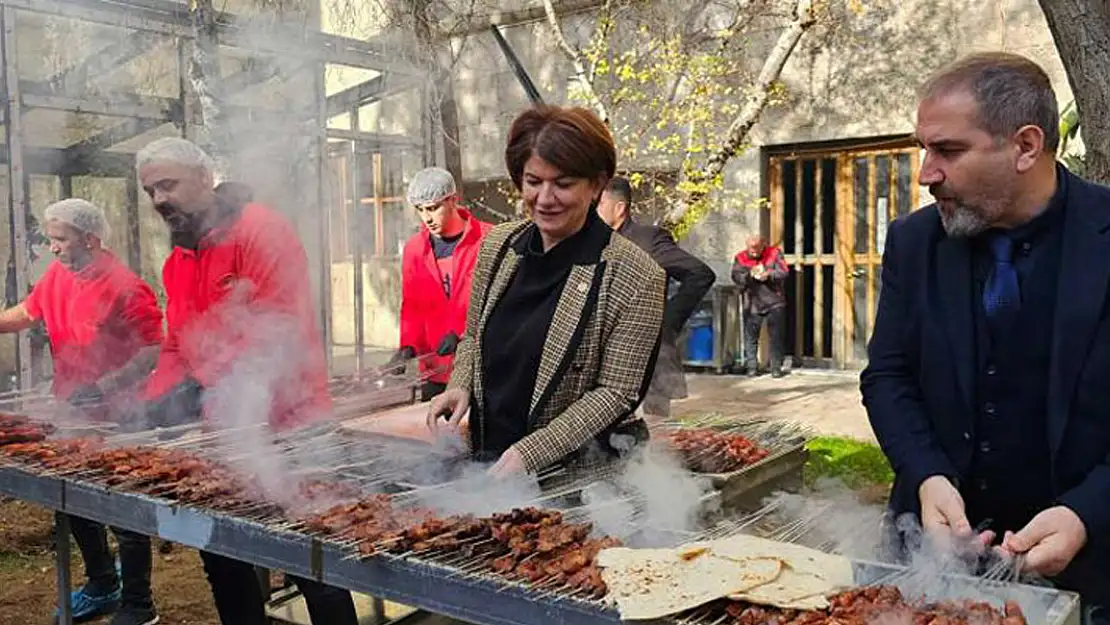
[1002, 294]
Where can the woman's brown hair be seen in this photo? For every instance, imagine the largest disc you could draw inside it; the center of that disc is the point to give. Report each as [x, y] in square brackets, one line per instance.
[570, 138]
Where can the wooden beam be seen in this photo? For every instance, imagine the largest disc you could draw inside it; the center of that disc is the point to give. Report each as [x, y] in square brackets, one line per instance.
[115, 105]
[845, 265]
[481, 23]
[89, 148]
[373, 90]
[799, 266]
[172, 18]
[373, 138]
[18, 198]
[819, 266]
[104, 61]
[872, 222]
[54, 162]
[134, 224]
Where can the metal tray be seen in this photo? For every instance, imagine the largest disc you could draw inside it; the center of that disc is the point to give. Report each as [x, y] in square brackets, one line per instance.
[781, 470]
[1041, 605]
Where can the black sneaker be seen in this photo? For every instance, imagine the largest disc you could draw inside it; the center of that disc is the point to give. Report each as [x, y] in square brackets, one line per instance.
[134, 616]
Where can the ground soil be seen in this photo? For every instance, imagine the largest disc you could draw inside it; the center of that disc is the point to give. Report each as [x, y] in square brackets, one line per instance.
[27, 584]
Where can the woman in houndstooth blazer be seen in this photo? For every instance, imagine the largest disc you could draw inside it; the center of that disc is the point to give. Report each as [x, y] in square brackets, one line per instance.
[564, 321]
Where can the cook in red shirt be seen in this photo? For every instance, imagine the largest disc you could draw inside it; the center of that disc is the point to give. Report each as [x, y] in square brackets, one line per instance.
[436, 268]
[103, 321]
[242, 343]
[104, 327]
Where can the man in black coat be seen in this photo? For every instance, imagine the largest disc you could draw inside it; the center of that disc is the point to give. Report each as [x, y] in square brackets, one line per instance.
[692, 277]
[987, 385]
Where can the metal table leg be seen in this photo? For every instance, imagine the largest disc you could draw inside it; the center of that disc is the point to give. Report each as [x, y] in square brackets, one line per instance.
[377, 611]
[61, 541]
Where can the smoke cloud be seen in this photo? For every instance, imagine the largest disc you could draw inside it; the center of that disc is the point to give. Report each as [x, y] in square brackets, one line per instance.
[831, 517]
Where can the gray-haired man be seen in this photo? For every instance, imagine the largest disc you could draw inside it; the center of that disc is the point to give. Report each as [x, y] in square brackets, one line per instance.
[253, 267]
[104, 326]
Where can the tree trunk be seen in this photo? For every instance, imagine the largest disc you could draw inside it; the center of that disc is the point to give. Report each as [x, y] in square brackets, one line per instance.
[444, 109]
[1081, 30]
[740, 127]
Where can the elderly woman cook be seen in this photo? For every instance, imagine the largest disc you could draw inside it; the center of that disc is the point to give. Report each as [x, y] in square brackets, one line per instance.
[564, 319]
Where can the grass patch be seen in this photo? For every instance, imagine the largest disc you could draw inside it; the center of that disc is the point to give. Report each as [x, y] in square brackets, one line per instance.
[13, 562]
[857, 464]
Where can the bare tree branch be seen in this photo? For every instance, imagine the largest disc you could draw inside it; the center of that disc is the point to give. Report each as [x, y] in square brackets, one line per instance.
[740, 127]
[576, 60]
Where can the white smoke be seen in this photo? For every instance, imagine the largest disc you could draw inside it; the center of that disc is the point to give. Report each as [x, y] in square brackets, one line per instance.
[831, 517]
[651, 501]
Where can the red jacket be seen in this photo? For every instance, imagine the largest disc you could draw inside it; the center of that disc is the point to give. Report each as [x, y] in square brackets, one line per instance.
[97, 319]
[427, 314]
[240, 321]
[761, 296]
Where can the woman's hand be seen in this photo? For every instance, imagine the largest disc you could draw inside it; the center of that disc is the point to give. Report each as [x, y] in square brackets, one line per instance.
[510, 463]
[453, 404]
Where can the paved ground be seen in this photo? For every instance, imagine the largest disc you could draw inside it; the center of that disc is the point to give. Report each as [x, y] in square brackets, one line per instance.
[827, 401]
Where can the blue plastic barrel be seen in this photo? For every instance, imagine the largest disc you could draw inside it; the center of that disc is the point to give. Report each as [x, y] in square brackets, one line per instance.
[699, 340]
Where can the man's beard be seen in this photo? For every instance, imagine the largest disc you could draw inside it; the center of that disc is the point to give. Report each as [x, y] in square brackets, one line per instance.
[964, 221]
[184, 228]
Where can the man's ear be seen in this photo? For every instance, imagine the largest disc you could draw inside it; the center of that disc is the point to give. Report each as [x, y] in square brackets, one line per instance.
[1029, 145]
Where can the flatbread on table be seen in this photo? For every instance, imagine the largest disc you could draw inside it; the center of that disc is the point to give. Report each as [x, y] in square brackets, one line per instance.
[808, 576]
[653, 583]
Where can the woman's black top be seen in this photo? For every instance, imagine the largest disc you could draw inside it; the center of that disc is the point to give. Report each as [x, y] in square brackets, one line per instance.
[516, 330]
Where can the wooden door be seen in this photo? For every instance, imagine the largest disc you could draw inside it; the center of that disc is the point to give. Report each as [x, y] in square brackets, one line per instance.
[880, 187]
[830, 212]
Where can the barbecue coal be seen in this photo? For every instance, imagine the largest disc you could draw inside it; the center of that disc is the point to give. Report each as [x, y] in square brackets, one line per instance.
[710, 451]
[872, 604]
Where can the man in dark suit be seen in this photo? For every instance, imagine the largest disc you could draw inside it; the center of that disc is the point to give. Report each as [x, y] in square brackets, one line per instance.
[692, 277]
[988, 385]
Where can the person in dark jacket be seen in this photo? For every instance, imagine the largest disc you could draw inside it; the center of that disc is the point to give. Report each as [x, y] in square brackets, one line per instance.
[760, 271]
[564, 322]
[988, 364]
[692, 277]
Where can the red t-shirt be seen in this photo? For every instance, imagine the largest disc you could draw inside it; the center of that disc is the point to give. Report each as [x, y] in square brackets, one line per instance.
[97, 318]
[240, 321]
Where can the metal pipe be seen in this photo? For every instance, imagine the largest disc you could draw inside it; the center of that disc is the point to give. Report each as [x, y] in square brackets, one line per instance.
[354, 190]
[518, 68]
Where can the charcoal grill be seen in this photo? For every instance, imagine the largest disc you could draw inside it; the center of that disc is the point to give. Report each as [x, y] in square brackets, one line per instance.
[426, 582]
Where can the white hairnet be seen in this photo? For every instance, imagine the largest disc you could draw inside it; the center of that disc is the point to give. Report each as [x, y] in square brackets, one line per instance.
[430, 185]
[175, 150]
[81, 214]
